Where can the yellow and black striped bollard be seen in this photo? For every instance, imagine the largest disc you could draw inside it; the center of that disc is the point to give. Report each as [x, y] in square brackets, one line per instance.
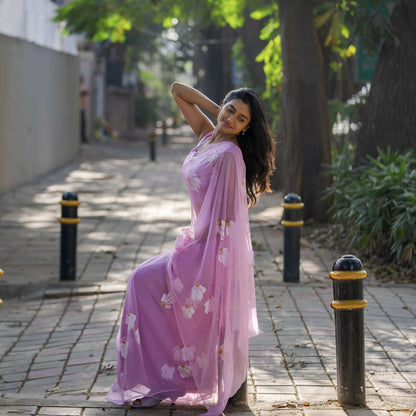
[1, 274]
[347, 276]
[292, 221]
[69, 221]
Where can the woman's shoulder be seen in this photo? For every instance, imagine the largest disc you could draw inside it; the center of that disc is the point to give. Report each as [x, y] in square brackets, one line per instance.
[229, 153]
[230, 147]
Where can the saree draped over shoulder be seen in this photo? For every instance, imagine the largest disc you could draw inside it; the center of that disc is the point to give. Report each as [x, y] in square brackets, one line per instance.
[188, 313]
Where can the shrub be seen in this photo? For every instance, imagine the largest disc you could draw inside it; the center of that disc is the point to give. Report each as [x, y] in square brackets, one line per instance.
[376, 204]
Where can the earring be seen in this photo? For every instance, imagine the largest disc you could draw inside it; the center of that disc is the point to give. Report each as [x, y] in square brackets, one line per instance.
[242, 132]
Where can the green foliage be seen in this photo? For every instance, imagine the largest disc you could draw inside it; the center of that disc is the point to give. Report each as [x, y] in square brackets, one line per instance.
[98, 20]
[376, 204]
[228, 12]
[369, 19]
[271, 56]
[240, 64]
[330, 20]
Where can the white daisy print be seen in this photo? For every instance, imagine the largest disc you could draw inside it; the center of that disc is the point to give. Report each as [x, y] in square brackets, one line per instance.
[166, 301]
[197, 292]
[188, 311]
[184, 370]
[177, 353]
[224, 256]
[209, 304]
[177, 285]
[226, 228]
[130, 320]
[221, 229]
[123, 348]
[211, 156]
[188, 352]
[167, 372]
[230, 229]
[137, 335]
[202, 360]
[194, 183]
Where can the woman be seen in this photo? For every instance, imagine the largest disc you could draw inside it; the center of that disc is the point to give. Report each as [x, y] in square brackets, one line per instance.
[188, 313]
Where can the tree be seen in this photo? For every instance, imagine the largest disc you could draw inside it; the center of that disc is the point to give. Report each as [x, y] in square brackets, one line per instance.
[210, 20]
[305, 145]
[389, 119]
[212, 61]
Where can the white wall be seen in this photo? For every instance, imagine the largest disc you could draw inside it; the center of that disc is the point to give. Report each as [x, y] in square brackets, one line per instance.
[31, 20]
[39, 110]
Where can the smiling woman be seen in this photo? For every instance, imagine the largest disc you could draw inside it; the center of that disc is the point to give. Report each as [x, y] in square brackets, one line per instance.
[189, 313]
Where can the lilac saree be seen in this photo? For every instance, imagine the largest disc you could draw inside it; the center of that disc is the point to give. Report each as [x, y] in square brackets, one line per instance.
[188, 313]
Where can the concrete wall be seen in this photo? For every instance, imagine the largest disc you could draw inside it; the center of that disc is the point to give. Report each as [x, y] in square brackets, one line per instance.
[120, 109]
[39, 110]
[87, 69]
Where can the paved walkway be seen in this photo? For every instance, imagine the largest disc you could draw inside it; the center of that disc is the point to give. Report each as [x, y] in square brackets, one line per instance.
[57, 340]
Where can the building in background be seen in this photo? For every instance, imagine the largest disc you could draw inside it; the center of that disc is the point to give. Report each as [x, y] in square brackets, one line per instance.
[39, 97]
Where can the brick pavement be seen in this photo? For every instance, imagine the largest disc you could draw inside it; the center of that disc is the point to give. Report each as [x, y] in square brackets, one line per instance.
[57, 343]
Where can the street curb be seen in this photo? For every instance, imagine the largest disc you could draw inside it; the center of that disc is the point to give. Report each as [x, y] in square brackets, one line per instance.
[57, 290]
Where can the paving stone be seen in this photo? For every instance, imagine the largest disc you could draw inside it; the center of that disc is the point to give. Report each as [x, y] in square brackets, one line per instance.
[367, 412]
[17, 410]
[283, 412]
[59, 411]
[111, 412]
[115, 236]
[10, 386]
[48, 372]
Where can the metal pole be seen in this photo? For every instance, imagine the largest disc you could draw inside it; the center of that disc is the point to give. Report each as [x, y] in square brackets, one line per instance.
[69, 221]
[347, 276]
[1, 274]
[164, 134]
[292, 221]
[152, 145]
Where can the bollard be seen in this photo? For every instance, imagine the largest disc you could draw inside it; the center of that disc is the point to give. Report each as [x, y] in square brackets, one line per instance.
[152, 145]
[240, 397]
[1, 274]
[69, 221]
[292, 221]
[164, 134]
[347, 276]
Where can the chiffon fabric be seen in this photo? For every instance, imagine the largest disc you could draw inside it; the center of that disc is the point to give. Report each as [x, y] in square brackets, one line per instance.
[188, 313]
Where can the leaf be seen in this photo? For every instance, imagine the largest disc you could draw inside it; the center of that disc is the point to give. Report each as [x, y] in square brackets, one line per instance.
[261, 13]
[324, 18]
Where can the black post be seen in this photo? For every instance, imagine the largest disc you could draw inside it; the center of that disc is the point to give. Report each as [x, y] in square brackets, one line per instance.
[164, 133]
[69, 221]
[240, 397]
[292, 221]
[347, 276]
[1, 274]
[152, 145]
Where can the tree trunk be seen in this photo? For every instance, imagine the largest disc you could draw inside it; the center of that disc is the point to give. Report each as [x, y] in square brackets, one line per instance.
[305, 144]
[212, 62]
[389, 118]
[253, 45]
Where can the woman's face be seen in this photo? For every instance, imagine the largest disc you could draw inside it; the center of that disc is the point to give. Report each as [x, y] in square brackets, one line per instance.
[234, 117]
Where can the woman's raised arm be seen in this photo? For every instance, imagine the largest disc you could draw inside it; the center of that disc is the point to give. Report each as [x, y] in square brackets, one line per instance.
[190, 101]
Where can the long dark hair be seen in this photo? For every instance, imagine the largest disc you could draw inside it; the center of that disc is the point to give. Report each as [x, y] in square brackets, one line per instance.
[257, 145]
